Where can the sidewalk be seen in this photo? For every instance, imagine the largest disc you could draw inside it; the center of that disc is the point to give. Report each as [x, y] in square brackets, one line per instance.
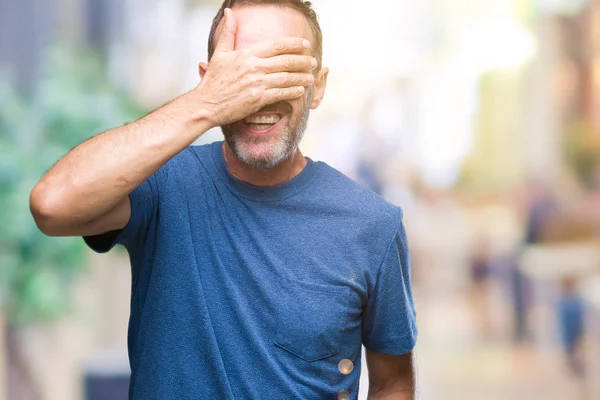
[454, 362]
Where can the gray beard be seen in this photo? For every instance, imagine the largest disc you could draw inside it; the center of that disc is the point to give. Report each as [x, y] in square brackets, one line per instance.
[285, 147]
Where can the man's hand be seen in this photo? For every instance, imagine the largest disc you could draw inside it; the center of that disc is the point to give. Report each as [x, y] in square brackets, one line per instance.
[239, 83]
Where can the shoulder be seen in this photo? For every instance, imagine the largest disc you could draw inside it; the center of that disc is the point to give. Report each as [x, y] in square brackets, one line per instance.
[188, 160]
[366, 207]
[194, 154]
[204, 150]
[188, 166]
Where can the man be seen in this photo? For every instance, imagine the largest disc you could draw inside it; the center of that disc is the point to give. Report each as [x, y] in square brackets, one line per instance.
[256, 272]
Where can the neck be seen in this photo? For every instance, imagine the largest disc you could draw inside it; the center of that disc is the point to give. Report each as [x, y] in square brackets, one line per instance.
[280, 173]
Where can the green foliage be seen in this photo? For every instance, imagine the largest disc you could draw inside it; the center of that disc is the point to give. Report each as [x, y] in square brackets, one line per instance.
[73, 102]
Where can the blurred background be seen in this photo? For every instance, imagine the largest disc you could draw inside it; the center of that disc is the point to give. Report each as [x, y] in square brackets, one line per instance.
[480, 118]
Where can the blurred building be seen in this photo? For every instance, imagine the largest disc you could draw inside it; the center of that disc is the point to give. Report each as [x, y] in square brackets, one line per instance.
[29, 27]
[577, 85]
[26, 29]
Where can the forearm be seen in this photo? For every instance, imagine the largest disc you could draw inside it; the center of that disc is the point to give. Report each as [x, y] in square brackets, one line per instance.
[96, 175]
[399, 391]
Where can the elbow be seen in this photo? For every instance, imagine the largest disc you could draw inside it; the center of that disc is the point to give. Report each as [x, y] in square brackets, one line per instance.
[44, 210]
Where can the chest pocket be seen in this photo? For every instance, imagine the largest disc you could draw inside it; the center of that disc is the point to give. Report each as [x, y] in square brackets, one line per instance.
[311, 320]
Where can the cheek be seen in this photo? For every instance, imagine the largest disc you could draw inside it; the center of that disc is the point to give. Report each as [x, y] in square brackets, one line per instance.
[299, 104]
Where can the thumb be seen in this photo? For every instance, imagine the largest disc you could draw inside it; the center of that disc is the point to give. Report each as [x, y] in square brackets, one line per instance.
[227, 37]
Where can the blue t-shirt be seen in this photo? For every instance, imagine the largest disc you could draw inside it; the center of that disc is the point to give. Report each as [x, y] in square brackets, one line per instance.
[247, 292]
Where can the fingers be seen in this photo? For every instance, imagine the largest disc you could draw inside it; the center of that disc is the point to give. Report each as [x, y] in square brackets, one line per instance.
[226, 41]
[280, 46]
[288, 79]
[289, 63]
[202, 68]
[281, 94]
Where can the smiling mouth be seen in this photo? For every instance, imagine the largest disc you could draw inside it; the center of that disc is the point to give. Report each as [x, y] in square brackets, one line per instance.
[262, 123]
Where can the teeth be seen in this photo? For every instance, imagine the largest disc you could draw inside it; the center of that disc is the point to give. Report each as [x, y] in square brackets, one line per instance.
[258, 127]
[270, 120]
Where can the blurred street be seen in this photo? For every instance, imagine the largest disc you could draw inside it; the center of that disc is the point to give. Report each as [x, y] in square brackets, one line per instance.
[482, 122]
[456, 363]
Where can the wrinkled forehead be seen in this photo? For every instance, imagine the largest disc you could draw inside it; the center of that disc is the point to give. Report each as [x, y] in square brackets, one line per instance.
[268, 22]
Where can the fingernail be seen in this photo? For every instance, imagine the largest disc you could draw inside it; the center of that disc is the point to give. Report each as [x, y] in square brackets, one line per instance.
[306, 44]
[314, 63]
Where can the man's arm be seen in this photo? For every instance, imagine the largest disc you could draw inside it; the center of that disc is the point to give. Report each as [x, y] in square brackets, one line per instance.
[391, 377]
[86, 192]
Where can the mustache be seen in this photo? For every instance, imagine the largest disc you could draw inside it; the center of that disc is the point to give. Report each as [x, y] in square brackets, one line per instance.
[282, 107]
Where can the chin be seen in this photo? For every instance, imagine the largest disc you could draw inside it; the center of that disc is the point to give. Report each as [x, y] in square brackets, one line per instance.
[263, 154]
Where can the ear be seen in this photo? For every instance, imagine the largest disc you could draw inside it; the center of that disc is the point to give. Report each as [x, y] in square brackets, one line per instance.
[202, 67]
[320, 86]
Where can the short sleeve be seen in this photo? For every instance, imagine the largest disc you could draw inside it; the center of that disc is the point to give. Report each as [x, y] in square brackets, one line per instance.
[143, 201]
[389, 320]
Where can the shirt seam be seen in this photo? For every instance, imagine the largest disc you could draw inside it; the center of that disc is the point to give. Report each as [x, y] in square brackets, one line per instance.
[393, 239]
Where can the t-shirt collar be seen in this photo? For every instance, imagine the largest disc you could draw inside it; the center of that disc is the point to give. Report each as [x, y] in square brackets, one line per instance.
[263, 193]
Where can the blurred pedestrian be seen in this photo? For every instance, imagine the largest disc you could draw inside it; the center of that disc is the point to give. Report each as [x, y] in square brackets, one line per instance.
[481, 271]
[540, 209]
[570, 313]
